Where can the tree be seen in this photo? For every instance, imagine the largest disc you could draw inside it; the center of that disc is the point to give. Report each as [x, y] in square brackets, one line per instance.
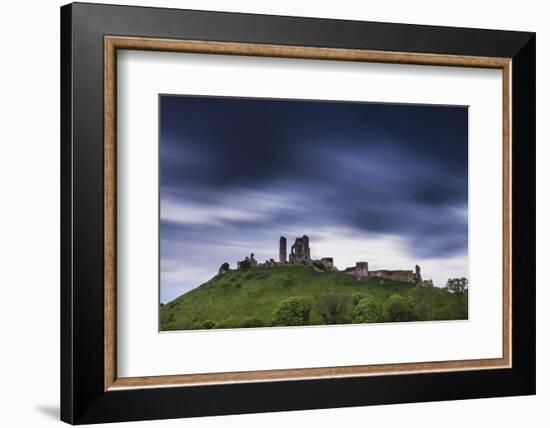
[223, 268]
[428, 300]
[208, 324]
[252, 322]
[335, 308]
[400, 308]
[458, 308]
[293, 311]
[357, 297]
[457, 286]
[368, 310]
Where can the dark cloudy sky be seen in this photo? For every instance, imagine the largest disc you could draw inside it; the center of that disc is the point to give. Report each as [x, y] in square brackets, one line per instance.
[382, 183]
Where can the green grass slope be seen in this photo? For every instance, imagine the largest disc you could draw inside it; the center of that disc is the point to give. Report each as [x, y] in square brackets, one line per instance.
[250, 298]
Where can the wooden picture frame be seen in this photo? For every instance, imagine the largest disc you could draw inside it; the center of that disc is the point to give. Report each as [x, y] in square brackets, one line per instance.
[91, 390]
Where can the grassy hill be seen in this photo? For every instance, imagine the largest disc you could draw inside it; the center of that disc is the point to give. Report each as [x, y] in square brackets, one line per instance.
[251, 299]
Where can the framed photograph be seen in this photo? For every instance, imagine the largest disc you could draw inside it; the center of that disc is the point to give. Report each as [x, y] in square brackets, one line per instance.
[265, 213]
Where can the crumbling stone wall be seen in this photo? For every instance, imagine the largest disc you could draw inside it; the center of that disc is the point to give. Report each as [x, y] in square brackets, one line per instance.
[324, 264]
[394, 275]
[362, 273]
[300, 252]
[248, 262]
[328, 263]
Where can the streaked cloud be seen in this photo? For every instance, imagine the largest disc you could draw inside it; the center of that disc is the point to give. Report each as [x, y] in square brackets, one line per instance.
[385, 184]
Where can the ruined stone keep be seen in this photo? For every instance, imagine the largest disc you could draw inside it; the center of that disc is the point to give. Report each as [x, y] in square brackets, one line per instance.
[300, 252]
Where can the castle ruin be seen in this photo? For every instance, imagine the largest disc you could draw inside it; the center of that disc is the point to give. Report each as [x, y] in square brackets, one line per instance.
[300, 253]
[362, 273]
[282, 249]
[248, 262]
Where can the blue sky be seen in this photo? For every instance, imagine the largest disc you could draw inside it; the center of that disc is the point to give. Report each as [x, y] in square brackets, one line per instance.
[383, 183]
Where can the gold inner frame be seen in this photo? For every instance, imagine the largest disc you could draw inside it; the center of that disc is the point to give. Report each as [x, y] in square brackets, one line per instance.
[113, 43]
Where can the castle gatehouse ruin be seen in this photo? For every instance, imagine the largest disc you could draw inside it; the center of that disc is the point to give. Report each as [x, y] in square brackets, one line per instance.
[300, 253]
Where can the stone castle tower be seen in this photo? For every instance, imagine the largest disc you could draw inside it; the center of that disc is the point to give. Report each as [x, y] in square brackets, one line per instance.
[417, 275]
[300, 252]
[282, 249]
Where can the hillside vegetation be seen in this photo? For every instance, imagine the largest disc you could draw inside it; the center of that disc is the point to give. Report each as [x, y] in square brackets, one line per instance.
[299, 295]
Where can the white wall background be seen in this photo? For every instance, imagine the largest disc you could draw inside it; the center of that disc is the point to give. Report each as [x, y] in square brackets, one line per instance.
[29, 215]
